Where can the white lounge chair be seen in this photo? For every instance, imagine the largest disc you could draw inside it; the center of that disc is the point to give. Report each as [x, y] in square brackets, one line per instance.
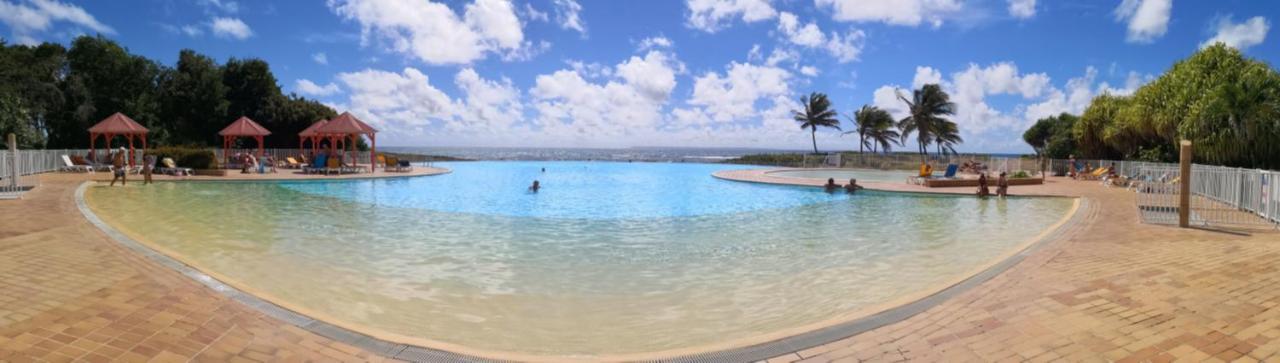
[70, 166]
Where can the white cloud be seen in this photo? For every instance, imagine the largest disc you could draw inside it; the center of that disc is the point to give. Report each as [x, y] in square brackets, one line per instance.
[567, 13]
[1241, 36]
[433, 33]
[320, 58]
[809, 71]
[895, 12]
[655, 43]
[1022, 9]
[573, 108]
[844, 48]
[220, 5]
[712, 15]
[488, 107]
[231, 28]
[404, 101]
[307, 87]
[1147, 19]
[534, 14]
[27, 20]
[191, 30]
[733, 96]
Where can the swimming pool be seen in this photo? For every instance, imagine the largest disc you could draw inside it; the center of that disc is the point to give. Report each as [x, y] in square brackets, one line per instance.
[608, 258]
[842, 176]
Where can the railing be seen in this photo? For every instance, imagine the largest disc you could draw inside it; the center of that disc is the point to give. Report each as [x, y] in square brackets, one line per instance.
[1220, 196]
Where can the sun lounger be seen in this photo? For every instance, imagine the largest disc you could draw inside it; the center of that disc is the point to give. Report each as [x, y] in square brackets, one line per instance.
[405, 165]
[950, 174]
[1096, 174]
[291, 163]
[332, 165]
[316, 166]
[70, 166]
[171, 168]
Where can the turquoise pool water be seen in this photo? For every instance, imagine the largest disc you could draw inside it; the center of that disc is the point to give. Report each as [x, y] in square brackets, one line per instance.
[608, 258]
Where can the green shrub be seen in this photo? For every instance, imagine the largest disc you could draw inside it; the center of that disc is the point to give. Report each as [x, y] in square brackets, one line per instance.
[194, 157]
[1021, 174]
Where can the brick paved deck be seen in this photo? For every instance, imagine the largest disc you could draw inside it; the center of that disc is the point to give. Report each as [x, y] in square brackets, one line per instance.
[1112, 289]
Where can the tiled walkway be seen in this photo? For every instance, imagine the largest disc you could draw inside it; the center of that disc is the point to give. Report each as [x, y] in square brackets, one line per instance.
[1112, 289]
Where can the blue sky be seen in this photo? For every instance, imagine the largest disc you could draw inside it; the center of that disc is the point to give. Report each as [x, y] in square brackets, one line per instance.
[670, 73]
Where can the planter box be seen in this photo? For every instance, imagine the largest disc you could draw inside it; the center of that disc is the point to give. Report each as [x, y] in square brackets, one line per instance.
[954, 183]
[211, 172]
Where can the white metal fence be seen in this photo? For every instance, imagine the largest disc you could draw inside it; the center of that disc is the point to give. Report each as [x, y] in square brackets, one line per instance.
[1220, 196]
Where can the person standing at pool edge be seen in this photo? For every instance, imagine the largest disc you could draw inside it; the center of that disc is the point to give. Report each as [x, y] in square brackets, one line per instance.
[118, 167]
[1002, 185]
[534, 188]
[148, 163]
[983, 190]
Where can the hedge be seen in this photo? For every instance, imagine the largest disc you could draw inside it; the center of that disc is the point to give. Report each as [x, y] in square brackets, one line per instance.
[188, 156]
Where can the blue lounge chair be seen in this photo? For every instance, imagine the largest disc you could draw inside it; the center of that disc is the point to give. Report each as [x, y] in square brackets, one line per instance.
[317, 165]
[951, 171]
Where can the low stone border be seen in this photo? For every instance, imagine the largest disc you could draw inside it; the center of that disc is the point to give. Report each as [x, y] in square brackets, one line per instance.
[751, 353]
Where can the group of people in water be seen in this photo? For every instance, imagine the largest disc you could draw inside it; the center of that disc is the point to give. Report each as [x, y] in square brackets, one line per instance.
[850, 188]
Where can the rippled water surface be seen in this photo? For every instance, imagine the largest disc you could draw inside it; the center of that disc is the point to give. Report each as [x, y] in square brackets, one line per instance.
[608, 258]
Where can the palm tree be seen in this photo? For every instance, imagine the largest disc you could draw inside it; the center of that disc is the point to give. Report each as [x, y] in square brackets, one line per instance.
[925, 109]
[865, 121]
[946, 136]
[883, 134]
[817, 112]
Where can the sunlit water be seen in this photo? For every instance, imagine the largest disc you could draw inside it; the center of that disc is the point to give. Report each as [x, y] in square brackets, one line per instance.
[608, 258]
[842, 176]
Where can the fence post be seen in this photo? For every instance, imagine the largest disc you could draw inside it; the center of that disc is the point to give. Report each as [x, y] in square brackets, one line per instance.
[1184, 186]
[13, 169]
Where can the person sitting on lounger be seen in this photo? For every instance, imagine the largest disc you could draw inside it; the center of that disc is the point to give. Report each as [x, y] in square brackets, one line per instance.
[248, 164]
[118, 168]
[1002, 185]
[983, 190]
[534, 188]
[831, 185]
[852, 187]
[926, 170]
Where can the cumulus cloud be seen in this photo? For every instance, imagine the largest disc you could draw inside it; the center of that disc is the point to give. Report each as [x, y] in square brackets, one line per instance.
[1147, 19]
[1022, 9]
[28, 20]
[630, 101]
[230, 28]
[712, 15]
[1239, 35]
[894, 12]
[307, 87]
[396, 101]
[733, 95]
[567, 13]
[488, 106]
[435, 34]
[844, 48]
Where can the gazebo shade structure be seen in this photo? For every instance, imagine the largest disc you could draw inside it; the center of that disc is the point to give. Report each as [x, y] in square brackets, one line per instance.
[118, 124]
[241, 127]
[347, 126]
[310, 134]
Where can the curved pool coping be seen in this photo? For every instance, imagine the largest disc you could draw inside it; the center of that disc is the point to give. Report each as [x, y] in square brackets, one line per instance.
[754, 348]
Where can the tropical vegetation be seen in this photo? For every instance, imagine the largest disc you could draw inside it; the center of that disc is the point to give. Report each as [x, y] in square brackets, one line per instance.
[1226, 104]
[50, 95]
[817, 112]
[875, 128]
[926, 117]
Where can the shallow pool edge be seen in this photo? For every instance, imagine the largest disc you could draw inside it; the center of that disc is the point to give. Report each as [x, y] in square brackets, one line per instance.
[755, 348]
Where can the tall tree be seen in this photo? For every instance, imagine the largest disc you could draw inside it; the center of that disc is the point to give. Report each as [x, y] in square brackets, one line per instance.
[251, 89]
[29, 81]
[817, 113]
[946, 136]
[925, 115]
[104, 78]
[193, 99]
[884, 134]
[865, 122]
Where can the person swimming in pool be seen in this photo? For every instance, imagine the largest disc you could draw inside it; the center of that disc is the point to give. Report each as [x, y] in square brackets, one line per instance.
[853, 186]
[534, 188]
[831, 185]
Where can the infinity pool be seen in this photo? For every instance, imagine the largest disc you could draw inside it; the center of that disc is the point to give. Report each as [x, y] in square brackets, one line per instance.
[609, 258]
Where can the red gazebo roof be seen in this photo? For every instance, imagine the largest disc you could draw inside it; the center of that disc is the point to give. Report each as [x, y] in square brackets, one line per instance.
[118, 124]
[244, 127]
[311, 130]
[345, 124]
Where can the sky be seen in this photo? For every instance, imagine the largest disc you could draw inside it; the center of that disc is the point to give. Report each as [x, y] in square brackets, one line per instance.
[695, 73]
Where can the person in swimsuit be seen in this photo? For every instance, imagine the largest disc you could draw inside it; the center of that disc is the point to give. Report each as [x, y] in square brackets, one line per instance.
[148, 163]
[118, 168]
[534, 188]
[831, 185]
[1002, 185]
[983, 190]
[852, 187]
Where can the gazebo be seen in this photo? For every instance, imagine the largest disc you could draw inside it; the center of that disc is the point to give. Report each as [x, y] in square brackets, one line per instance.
[118, 124]
[241, 127]
[348, 126]
[309, 134]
